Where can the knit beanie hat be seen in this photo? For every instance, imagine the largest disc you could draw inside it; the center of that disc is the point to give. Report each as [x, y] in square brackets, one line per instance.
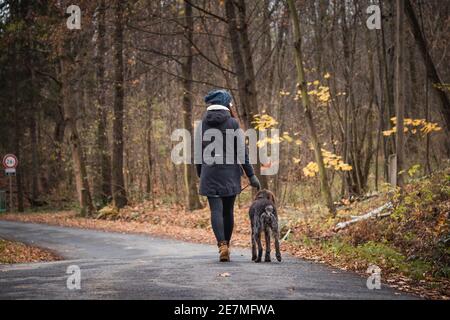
[220, 97]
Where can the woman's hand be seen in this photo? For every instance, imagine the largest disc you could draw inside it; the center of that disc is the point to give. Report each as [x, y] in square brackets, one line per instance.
[254, 182]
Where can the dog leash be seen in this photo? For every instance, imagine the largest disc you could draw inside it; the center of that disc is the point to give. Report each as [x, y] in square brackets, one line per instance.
[247, 187]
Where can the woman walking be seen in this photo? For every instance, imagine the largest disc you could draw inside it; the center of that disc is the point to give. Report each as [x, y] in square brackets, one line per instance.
[220, 181]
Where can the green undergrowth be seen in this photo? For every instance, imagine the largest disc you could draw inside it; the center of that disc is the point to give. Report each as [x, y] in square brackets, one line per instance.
[413, 241]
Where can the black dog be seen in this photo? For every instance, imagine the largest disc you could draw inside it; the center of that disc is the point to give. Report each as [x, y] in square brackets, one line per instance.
[263, 217]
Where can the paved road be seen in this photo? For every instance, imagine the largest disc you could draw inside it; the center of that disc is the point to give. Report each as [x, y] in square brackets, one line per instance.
[123, 266]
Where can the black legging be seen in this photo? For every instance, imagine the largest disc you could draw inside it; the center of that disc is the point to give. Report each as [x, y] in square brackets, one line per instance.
[222, 219]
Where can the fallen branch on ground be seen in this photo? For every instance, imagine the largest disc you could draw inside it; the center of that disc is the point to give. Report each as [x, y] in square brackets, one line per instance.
[376, 213]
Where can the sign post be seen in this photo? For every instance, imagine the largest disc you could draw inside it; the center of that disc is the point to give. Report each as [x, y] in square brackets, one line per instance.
[10, 195]
[10, 163]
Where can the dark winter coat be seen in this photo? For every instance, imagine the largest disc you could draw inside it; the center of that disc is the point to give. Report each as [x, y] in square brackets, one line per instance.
[221, 180]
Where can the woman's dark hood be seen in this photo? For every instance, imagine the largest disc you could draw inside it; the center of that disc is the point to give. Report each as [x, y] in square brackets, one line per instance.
[215, 118]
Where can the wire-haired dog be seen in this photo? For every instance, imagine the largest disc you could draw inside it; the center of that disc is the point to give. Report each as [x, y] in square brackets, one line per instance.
[263, 217]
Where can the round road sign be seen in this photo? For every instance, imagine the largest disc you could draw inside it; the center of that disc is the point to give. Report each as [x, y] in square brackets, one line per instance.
[10, 161]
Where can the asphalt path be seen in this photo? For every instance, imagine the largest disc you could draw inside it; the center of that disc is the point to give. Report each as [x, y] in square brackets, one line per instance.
[128, 266]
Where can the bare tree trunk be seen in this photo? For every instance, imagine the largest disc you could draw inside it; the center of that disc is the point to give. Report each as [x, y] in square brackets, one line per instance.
[428, 140]
[399, 92]
[389, 142]
[118, 184]
[149, 139]
[56, 172]
[244, 69]
[33, 112]
[17, 134]
[307, 110]
[238, 61]
[33, 140]
[382, 102]
[250, 73]
[432, 72]
[427, 166]
[347, 176]
[369, 115]
[193, 199]
[280, 112]
[102, 185]
[79, 165]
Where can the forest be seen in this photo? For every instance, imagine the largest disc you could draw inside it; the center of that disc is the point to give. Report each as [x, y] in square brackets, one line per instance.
[91, 92]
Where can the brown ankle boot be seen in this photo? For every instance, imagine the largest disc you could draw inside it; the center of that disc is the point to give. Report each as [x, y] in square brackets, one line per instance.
[224, 254]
